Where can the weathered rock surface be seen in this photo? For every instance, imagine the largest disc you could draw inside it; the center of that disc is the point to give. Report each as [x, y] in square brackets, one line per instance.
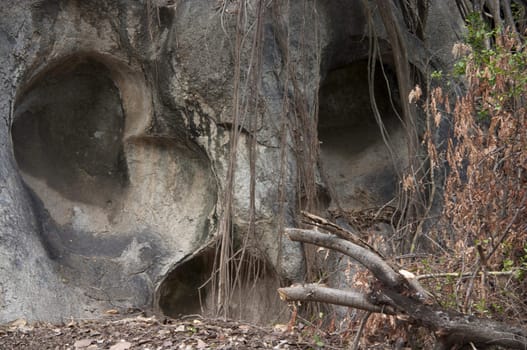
[114, 147]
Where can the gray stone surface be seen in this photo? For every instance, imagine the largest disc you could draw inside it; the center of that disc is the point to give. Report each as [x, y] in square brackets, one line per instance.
[114, 147]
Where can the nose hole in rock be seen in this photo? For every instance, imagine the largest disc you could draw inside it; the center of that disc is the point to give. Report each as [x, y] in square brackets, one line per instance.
[184, 289]
[356, 163]
[187, 289]
[67, 133]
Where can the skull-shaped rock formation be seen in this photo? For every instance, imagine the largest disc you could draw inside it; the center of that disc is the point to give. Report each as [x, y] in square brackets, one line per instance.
[117, 145]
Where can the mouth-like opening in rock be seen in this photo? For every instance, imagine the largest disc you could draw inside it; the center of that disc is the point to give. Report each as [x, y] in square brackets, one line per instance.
[183, 291]
[188, 290]
[359, 168]
[67, 133]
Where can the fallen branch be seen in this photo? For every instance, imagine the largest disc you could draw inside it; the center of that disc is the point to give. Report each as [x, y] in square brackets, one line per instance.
[321, 293]
[370, 260]
[464, 274]
[341, 232]
[396, 294]
[454, 328]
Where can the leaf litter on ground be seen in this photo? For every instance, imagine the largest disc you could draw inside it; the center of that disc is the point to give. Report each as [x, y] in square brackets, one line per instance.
[139, 332]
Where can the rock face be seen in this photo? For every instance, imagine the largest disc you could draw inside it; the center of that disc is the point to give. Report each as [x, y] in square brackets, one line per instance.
[115, 148]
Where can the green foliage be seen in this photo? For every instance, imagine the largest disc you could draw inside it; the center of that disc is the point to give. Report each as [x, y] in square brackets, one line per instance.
[522, 270]
[192, 329]
[481, 306]
[437, 74]
[508, 264]
[460, 67]
[478, 32]
[318, 341]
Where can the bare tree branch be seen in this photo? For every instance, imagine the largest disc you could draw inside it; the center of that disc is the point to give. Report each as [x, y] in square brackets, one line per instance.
[373, 262]
[458, 328]
[321, 293]
[464, 275]
[392, 297]
[348, 235]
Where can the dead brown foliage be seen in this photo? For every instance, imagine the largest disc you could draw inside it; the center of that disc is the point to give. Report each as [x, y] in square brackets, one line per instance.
[483, 227]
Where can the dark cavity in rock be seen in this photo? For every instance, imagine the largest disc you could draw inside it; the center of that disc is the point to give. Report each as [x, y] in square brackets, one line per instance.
[68, 131]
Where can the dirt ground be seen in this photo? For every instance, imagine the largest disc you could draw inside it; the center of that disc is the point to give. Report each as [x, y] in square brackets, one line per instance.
[139, 332]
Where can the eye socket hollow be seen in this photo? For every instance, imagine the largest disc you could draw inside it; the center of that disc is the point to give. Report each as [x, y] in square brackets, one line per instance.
[68, 131]
[357, 164]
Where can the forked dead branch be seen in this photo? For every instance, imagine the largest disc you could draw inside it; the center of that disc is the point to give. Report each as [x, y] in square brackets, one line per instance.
[398, 293]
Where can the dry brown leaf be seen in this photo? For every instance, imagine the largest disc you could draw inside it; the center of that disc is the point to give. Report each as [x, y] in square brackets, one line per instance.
[122, 345]
[281, 328]
[18, 323]
[415, 94]
[164, 332]
[244, 328]
[83, 343]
